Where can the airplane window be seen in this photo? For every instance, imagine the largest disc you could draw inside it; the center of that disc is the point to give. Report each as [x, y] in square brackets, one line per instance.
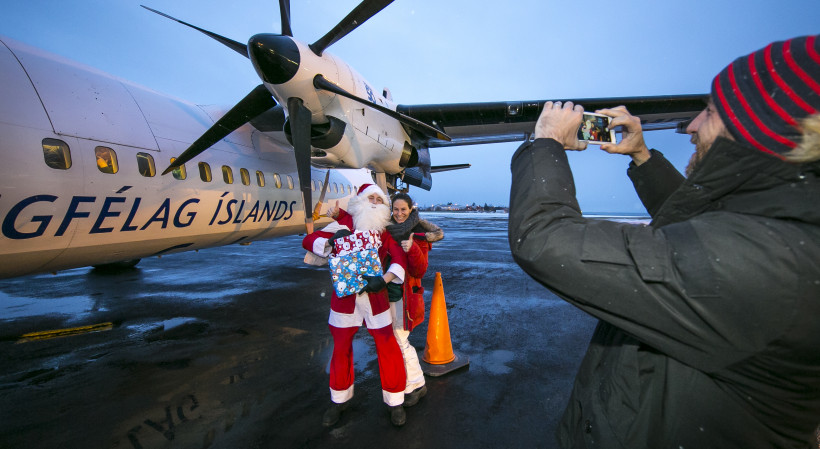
[336, 187]
[277, 181]
[145, 164]
[260, 178]
[106, 160]
[313, 185]
[56, 154]
[290, 182]
[246, 177]
[179, 172]
[205, 172]
[227, 174]
[349, 189]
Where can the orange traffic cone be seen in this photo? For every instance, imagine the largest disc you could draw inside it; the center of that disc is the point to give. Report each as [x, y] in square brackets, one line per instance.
[439, 357]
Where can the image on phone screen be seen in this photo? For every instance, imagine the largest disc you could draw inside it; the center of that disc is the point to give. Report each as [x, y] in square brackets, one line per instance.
[595, 128]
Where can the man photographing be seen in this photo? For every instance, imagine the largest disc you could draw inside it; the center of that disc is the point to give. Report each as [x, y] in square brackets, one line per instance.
[709, 334]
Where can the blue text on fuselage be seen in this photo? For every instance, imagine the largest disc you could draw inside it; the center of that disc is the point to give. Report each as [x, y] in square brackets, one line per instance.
[115, 214]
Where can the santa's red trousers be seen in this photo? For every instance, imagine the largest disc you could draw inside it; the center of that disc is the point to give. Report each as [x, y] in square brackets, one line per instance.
[391, 363]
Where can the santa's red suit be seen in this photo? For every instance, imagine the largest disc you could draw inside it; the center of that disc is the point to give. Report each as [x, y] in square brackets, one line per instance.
[348, 312]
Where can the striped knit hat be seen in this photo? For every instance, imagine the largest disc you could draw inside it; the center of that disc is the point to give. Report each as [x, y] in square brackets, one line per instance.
[761, 97]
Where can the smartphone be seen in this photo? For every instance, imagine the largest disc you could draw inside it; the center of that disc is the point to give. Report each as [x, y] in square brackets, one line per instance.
[595, 129]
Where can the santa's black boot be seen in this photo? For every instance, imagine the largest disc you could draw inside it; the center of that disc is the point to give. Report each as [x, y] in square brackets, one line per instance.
[333, 414]
[397, 415]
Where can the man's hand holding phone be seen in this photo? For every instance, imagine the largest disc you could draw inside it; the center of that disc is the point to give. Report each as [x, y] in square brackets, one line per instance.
[560, 122]
[632, 143]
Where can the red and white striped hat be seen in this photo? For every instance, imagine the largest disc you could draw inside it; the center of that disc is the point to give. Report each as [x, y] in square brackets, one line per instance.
[762, 97]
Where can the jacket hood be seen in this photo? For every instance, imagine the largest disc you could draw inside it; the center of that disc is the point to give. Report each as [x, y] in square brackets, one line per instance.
[734, 178]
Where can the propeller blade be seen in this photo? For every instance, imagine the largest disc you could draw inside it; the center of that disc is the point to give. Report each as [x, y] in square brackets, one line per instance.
[300, 133]
[242, 49]
[271, 120]
[359, 15]
[256, 102]
[284, 12]
[320, 82]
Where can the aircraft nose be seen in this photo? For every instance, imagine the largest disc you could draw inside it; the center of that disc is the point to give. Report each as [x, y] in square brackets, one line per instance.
[275, 57]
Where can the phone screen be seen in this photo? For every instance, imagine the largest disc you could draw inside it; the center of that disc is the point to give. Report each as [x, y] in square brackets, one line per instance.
[595, 128]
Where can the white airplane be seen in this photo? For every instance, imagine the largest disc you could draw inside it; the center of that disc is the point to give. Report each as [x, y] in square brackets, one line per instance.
[82, 150]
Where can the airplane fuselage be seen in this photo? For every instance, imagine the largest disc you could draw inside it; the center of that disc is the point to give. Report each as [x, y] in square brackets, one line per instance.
[80, 184]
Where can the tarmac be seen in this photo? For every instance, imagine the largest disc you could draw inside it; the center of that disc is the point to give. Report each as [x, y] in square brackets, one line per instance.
[229, 348]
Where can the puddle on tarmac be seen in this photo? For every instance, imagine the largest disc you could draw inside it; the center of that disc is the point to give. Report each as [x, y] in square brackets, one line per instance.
[13, 307]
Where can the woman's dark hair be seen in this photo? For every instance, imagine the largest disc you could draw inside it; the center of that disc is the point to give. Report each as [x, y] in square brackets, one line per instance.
[404, 197]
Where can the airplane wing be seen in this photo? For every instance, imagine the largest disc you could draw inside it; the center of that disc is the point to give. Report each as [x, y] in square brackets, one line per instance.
[509, 121]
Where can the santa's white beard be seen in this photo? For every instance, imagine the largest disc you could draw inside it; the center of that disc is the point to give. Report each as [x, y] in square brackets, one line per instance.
[368, 216]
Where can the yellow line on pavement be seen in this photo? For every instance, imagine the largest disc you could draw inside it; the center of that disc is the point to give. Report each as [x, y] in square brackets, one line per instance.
[58, 333]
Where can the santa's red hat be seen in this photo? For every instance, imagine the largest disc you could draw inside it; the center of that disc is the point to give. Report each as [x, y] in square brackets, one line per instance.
[368, 189]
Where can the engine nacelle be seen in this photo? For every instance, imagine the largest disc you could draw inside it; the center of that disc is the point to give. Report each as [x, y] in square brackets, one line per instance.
[419, 174]
[415, 176]
[323, 135]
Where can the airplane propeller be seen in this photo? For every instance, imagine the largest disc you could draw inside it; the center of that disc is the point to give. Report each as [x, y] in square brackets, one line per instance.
[300, 132]
[276, 59]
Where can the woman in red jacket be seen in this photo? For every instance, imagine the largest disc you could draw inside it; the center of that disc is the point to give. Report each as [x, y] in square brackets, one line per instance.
[406, 301]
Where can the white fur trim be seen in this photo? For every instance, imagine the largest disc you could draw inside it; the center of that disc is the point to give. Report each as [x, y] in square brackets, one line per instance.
[333, 227]
[341, 396]
[320, 247]
[337, 319]
[361, 313]
[392, 399]
[398, 271]
[379, 321]
[373, 188]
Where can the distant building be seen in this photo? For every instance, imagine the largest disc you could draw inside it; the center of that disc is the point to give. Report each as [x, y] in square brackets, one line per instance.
[454, 207]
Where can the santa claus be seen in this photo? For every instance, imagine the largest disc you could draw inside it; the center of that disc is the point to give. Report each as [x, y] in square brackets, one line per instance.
[369, 210]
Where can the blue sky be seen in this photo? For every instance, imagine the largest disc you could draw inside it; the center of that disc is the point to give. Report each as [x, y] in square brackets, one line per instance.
[434, 51]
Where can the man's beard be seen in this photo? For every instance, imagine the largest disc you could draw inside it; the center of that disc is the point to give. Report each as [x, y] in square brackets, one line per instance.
[367, 216]
[701, 148]
[694, 161]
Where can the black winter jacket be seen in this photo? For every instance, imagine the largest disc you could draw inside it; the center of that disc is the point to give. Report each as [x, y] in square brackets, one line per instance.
[710, 317]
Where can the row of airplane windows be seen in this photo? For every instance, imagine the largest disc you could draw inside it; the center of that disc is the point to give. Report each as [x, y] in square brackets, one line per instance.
[58, 156]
